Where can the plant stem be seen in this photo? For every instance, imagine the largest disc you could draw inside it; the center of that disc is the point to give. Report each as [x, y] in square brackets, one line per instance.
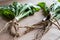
[55, 24]
[22, 15]
[57, 21]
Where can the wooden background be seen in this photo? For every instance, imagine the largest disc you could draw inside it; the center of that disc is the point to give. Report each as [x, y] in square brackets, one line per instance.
[37, 17]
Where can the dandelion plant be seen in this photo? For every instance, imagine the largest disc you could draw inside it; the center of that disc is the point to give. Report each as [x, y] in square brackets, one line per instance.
[15, 12]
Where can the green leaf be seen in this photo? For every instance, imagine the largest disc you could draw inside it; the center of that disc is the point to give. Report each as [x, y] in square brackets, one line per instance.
[8, 14]
[18, 11]
[58, 0]
[44, 8]
[16, 7]
[55, 8]
[27, 10]
[23, 15]
[41, 4]
[35, 9]
[58, 16]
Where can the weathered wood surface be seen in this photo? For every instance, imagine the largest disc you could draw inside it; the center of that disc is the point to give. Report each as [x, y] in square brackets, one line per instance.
[28, 21]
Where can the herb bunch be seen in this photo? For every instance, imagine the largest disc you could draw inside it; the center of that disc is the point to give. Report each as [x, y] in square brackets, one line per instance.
[15, 12]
